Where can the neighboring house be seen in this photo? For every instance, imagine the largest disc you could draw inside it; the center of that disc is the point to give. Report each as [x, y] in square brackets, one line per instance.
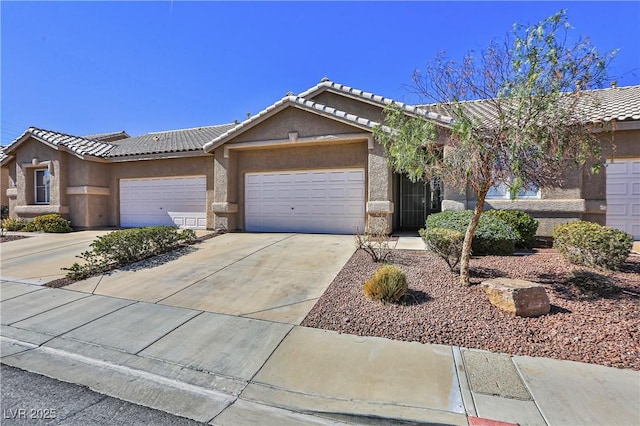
[307, 163]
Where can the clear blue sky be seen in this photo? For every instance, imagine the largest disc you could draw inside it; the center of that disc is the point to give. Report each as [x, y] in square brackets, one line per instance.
[90, 67]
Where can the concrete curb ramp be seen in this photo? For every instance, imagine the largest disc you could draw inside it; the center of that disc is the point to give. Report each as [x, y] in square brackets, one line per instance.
[230, 370]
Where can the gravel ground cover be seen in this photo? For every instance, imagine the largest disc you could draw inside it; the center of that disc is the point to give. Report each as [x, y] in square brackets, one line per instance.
[7, 238]
[600, 328]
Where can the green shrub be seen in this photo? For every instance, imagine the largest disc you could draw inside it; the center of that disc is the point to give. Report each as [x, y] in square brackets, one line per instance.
[48, 223]
[492, 237]
[127, 246]
[446, 243]
[30, 227]
[590, 244]
[523, 225]
[388, 284]
[52, 223]
[13, 224]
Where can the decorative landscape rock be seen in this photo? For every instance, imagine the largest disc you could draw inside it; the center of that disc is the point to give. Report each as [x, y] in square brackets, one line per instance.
[519, 297]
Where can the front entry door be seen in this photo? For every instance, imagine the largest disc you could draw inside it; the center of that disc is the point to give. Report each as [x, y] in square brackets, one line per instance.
[413, 203]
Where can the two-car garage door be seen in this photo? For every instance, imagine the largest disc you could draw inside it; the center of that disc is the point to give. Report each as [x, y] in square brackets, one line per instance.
[173, 201]
[314, 201]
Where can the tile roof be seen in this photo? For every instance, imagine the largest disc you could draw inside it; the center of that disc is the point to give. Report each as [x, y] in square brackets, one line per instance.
[182, 140]
[296, 101]
[619, 104]
[75, 144]
[376, 99]
[109, 135]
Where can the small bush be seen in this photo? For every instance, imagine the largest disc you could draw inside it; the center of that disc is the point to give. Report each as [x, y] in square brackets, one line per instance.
[127, 246]
[446, 243]
[590, 244]
[388, 284]
[53, 223]
[523, 225]
[13, 224]
[492, 237]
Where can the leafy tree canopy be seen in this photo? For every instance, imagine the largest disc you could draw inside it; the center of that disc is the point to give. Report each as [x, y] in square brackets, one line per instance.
[514, 113]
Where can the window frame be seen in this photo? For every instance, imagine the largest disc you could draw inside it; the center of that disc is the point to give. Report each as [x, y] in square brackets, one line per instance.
[46, 180]
[501, 192]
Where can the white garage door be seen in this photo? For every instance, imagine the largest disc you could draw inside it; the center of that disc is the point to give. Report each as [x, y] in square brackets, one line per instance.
[314, 201]
[623, 195]
[180, 201]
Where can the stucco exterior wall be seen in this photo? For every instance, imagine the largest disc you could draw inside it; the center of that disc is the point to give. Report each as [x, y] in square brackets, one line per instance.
[626, 144]
[32, 156]
[581, 196]
[293, 120]
[353, 106]
[4, 185]
[189, 166]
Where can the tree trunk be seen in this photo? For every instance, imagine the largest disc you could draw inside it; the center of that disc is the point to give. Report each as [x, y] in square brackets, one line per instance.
[468, 239]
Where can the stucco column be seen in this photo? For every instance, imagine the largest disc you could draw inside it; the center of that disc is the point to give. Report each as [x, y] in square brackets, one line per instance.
[225, 203]
[380, 194]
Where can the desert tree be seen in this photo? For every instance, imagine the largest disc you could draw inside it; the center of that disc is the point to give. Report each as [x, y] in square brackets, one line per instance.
[517, 113]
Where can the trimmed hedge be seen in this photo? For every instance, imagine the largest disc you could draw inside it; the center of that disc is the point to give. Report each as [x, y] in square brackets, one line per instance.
[523, 225]
[52, 223]
[493, 236]
[590, 244]
[446, 243]
[388, 284]
[126, 246]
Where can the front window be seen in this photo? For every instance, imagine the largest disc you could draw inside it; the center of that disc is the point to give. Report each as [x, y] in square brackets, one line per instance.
[501, 191]
[42, 180]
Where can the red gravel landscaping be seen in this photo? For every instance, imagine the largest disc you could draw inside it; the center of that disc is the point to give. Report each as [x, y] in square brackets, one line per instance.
[599, 328]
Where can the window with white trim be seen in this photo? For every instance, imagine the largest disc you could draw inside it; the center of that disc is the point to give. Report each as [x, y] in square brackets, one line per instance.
[501, 191]
[41, 180]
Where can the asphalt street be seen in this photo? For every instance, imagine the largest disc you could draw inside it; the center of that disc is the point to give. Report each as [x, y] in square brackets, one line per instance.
[31, 399]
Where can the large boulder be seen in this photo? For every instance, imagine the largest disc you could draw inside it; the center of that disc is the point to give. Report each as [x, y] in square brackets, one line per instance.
[519, 297]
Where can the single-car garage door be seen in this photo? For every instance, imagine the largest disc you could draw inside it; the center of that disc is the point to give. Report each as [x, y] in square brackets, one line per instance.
[623, 195]
[179, 201]
[313, 201]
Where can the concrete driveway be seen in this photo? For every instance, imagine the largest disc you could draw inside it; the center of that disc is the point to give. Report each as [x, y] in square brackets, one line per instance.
[38, 258]
[276, 277]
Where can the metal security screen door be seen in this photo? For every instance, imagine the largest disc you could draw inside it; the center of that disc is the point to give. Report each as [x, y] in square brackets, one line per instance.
[413, 203]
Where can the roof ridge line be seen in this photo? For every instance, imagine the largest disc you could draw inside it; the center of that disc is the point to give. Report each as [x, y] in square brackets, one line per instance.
[378, 99]
[188, 128]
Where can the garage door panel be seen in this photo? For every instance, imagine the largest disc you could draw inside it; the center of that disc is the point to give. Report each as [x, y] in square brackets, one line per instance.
[179, 201]
[623, 195]
[321, 201]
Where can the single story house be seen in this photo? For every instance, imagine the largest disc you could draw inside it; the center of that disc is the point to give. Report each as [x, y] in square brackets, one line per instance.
[307, 163]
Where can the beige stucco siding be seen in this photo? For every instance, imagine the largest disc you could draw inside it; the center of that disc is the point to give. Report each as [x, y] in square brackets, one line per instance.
[353, 106]
[305, 123]
[34, 155]
[4, 185]
[175, 167]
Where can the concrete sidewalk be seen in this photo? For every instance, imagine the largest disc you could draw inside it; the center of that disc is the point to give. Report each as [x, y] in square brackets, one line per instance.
[225, 369]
